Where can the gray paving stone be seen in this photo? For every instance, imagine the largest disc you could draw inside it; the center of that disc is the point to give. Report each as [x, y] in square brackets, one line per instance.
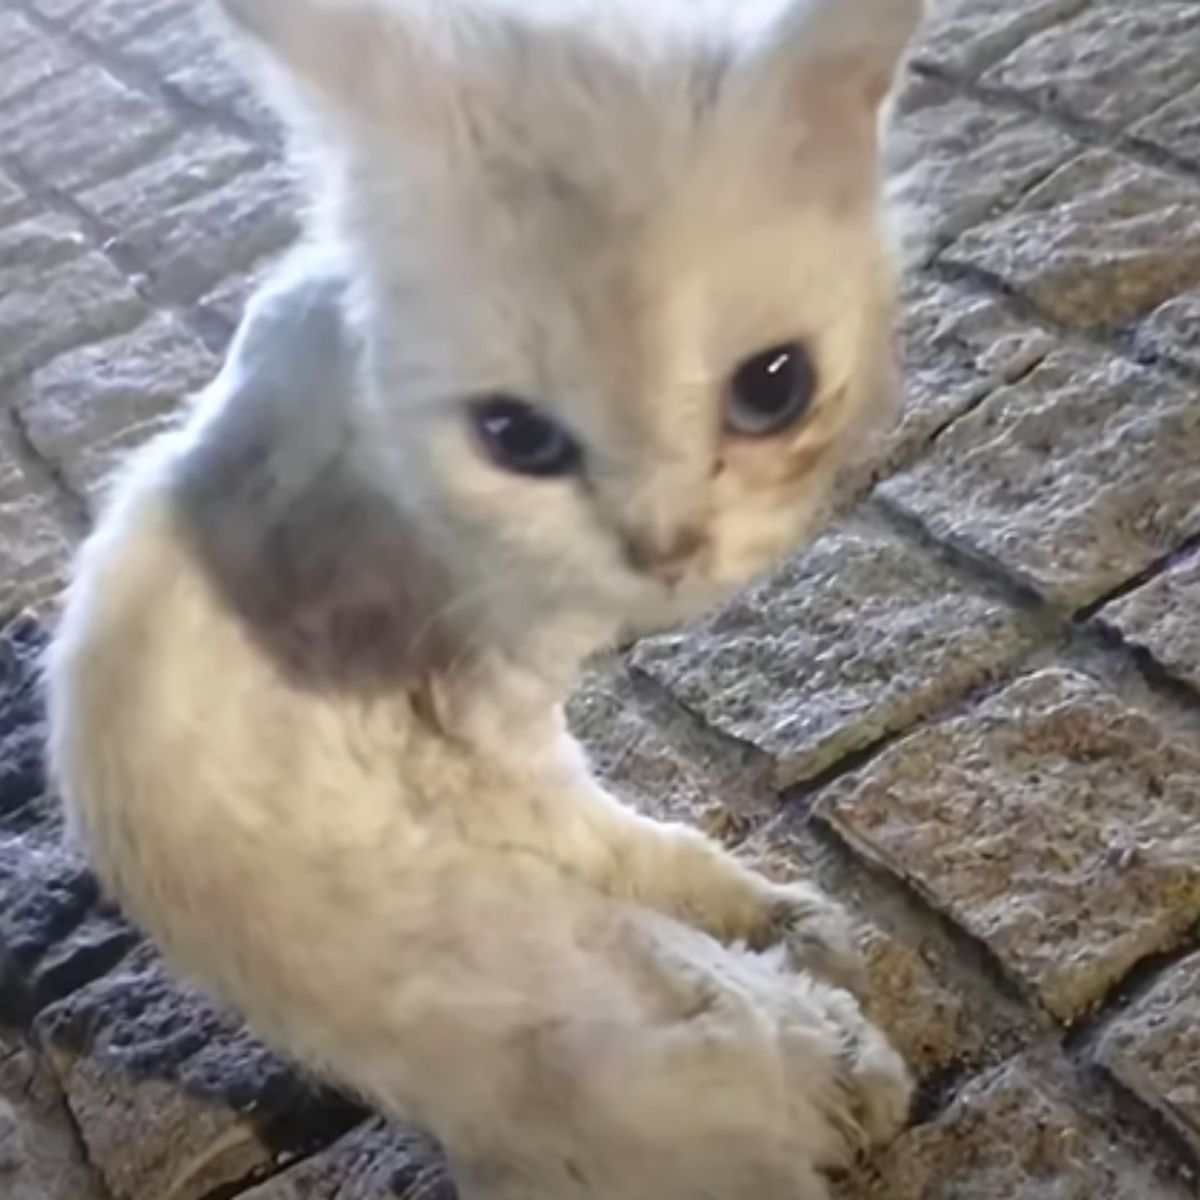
[1013, 1134]
[1153, 1049]
[35, 546]
[1174, 127]
[953, 161]
[1098, 244]
[43, 130]
[671, 782]
[55, 293]
[84, 410]
[1163, 617]
[1172, 330]
[372, 1163]
[965, 36]
[857, 638]
[1075, 479]
[112, 22]
[15, 205]
[1085, 66]
[190, 246]
[40, 1156]
[958, 348]
[29, 58]
[1054, 823]
[58, 10]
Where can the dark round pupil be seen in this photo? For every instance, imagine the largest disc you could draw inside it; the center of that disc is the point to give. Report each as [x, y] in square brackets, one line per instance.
[521, 439]
[770, 391]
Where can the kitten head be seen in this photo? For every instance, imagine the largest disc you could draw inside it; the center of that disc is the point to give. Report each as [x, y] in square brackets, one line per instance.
[619, 268]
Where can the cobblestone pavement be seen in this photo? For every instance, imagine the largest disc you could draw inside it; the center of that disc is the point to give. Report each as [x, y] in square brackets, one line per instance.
[973, 710]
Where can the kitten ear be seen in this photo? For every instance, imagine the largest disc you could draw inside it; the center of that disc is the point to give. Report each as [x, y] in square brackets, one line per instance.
[827, 53]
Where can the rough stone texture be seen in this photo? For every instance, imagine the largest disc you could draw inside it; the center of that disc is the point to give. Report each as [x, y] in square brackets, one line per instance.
[29, 59]
[1172, 331]
[85, 409]
[1083, 66]
[43, 133]
[1076, 478]
[955, 160]
[959, 347]
[1083, 854]
[136, 1050]
[851, 641]
[40, 1156]
[372, 1163]
[1012, 1135]
[1099, 243]
[1154, 1049]
[1163, 617]
[15, 205]
[35, 544]
[112, 23]
[964, 36]
[636, 760]
[1175, 128]
[55, 294]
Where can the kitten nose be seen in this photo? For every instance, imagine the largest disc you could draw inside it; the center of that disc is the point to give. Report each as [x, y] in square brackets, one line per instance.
[664, 555]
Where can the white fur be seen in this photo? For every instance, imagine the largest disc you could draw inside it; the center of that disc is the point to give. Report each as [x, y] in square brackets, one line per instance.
[418, 887]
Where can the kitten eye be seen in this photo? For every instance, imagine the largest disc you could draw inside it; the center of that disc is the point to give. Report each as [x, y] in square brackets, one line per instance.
[770, 391]
[519, 438]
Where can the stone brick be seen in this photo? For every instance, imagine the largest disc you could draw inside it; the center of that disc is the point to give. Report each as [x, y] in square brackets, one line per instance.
[44, 133]
[85, 409]
[371, 1163]
[1085, 66]
[1153, 1049]
[1013, 1134]
[1172, 330]
[1076, 478]
[964, 36]
[35, 546]
[55, 294]
[726, 796]
[228, 299]
[1163, 617]
[40, 1156]
[211, 1107]
[954, 161]
[1054, 823]
[15, 205]
[190, 246]
[1174, 127]
[112, 22]
[959, 347]
[1099, 243]
[29, 58]
[855, 639]
[58, 10]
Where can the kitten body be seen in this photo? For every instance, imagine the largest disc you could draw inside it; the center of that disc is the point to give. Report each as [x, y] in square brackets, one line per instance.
[306, 695]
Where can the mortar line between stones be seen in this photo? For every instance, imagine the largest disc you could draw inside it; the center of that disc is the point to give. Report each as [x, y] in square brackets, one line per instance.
[69, 505]
[189, 112]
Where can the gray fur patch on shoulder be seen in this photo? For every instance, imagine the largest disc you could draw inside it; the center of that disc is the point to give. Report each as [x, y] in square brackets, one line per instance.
[328, 573]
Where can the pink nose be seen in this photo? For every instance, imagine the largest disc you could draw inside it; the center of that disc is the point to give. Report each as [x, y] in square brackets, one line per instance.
[664, 556]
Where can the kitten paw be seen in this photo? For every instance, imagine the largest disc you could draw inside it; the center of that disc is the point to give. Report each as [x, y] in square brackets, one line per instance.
[817, 933]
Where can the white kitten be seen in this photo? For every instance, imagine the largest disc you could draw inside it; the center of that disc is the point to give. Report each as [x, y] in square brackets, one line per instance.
[592, 314]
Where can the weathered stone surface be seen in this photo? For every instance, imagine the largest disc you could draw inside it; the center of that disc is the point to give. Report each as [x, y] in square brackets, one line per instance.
[40, 1156]
[1154, 1049]
[953, 161]
[964, 36]
[42, 130]
[1099, 243]
[1163, 617]
[1172, 330]
[35, 544]
[228, 299]
[112, 22]
[1054, 823]
[959, 347]
[373, 1162]
[928, 1023]
[855, 639]
[641, 766]
[1015, 1135]
[135, 1050]
[14, 204]
[55, 293]
[1076, 478]
[1174, 127]
[28, 58]
[1084, 66]
[85, 409]
[189, 245]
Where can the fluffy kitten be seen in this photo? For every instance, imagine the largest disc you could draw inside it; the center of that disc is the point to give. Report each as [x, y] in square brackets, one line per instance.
[592, 313]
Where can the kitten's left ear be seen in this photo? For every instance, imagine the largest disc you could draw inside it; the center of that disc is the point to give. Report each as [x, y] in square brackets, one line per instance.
[836, 53]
